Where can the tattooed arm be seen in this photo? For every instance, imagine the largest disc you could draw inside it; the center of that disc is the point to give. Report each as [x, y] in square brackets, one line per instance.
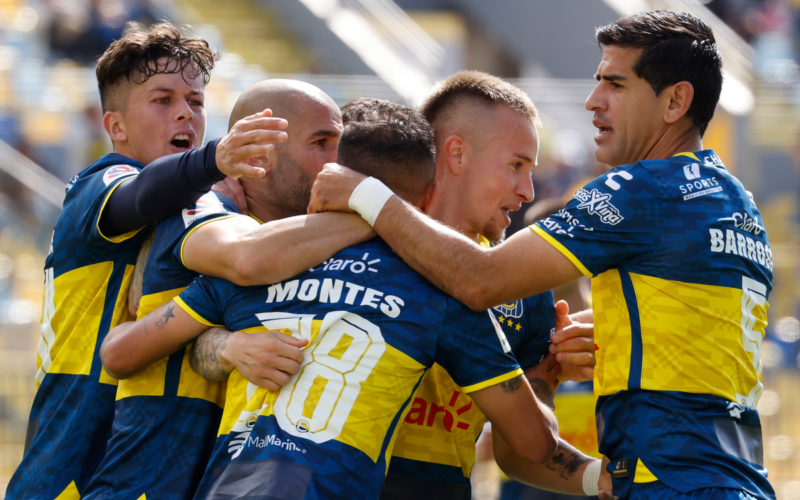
[131, 346]
[266, 359]
[503, 403]
[562, 473]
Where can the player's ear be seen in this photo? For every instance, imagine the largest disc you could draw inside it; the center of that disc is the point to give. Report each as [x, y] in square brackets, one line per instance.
[267, 162]
[115, 128]
[454, 149]
[680, 99]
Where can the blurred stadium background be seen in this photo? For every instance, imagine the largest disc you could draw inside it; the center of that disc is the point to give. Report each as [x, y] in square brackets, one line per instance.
[50, 129]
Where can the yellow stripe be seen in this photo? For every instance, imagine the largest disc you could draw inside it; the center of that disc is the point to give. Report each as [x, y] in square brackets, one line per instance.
[561, 248]
[121, 237]
[492, 381]
[643, 474]
[70, 493]
[256, 218]
[143, 497]
[191, 312]
[690, 155]
[183, 242]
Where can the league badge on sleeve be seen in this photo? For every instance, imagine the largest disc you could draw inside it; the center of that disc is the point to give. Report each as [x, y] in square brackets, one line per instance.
[117, 172]
[206, 205]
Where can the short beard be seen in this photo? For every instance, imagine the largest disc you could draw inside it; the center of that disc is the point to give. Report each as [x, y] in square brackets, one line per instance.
[291, 188]
[490, 233]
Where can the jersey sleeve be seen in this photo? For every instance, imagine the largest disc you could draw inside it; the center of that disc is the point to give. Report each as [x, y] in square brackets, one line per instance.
[540, 324]
[210, 207]
[203, 301]
[614, 218]
[94, 194]
[473, 349]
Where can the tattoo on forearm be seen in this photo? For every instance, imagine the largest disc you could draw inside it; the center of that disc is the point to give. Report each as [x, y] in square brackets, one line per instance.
[162, 321]
[205, 356]
[511, 385]
[543, 391]
[566, 461]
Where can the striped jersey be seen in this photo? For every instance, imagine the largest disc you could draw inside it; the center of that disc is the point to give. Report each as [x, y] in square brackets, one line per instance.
[681, 271]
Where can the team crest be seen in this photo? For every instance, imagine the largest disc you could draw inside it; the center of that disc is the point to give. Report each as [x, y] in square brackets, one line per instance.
[207, 204]
[511, 310]
[117, 172]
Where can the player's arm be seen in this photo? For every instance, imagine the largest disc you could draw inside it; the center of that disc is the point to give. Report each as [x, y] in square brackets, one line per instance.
[244, 252]
[174, 182]
[267, 359]
[535, 439]
[562, 473]
[131, 346]
[481, 278]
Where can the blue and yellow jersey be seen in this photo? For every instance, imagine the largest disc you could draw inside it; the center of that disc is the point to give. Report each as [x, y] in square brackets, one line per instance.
[681, 271]
[87, 276]
[435, 447]
[375, 327]
[166, 415]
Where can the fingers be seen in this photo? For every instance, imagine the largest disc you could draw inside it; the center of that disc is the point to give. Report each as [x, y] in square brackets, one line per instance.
[288, 339]
[562, 308]
[562, 315]
[576, 358]
[577, 344]
[573, 331]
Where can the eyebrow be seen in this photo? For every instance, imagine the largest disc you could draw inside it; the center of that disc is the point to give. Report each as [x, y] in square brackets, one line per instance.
[173, 91]
[326, 133]
[609, 78]
[522, 157]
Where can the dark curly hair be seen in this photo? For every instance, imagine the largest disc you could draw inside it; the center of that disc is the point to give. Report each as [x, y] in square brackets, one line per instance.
[390, 142]
[133, 59]
[678, 47]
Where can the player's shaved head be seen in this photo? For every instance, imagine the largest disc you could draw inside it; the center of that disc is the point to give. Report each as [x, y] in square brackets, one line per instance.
[454, 104]
[315, 124]
[286, 99]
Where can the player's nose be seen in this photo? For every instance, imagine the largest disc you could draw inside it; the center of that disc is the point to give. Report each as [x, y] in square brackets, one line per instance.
[525, 189]
[183, 111]
[594, 101]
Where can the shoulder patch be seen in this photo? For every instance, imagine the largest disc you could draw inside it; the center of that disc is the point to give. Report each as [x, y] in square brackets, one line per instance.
[206, 205]
[118, 171]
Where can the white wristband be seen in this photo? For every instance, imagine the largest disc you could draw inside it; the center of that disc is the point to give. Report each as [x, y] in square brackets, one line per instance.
[368, 199]
[591, 478]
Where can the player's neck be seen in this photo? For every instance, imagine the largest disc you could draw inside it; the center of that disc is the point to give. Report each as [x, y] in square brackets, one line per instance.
[448, 209]
[124, 150]
[672, 143]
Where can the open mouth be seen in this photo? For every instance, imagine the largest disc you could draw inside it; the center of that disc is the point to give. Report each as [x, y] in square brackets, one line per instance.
[182, 141]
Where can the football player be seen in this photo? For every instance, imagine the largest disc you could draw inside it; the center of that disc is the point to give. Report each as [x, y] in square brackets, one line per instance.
[484, 132]
[679, 257]
[151, 84]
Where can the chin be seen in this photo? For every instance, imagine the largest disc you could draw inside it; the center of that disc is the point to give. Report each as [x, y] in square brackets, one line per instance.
[494, 233]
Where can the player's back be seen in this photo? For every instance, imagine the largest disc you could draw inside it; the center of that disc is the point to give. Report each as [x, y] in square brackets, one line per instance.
[682, 270]
[375, 326]
[87, 276]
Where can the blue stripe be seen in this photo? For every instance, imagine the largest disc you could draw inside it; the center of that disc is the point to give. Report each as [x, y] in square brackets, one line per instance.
[635, 373]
